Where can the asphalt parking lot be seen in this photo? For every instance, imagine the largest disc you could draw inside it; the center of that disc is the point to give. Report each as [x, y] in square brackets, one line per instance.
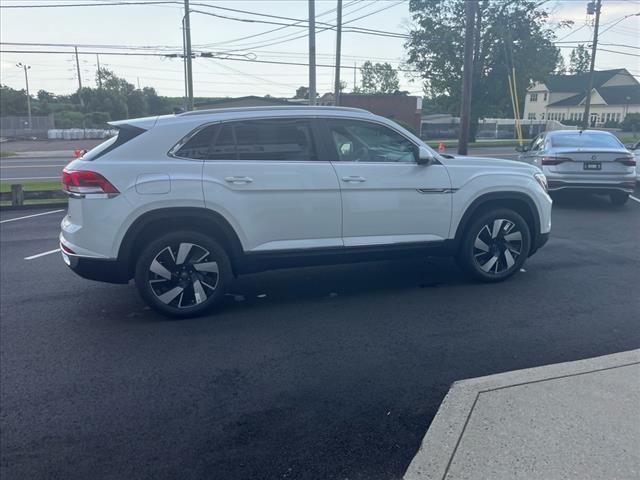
[328, 372]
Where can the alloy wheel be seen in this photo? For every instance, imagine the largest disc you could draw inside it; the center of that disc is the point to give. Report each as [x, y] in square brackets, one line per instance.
[183, 275]
[497, 246]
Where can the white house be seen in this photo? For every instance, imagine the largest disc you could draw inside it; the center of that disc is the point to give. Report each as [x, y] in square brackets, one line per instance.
[615, 93]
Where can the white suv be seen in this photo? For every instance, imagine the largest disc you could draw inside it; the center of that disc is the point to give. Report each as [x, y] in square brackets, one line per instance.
[182, 203]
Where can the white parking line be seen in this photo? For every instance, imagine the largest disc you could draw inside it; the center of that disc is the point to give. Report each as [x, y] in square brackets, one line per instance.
[5, 179]
[32, 166]
[42, 254]
[634, 198]
[31, 216]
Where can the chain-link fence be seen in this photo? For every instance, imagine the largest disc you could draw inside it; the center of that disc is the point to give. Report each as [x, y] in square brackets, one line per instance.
[17, 126]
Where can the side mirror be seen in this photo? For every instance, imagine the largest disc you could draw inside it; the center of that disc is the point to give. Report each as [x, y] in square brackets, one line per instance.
[522, 148]
[424, 156]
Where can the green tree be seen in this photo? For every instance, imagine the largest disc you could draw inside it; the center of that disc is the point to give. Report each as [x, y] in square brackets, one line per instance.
[579, 60]
[12, 102]
[378, 78]
[507, 34]
[302, 92]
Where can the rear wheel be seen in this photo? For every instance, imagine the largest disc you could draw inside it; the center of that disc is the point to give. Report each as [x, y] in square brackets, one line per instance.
[619, 198]
[495, 246]
[182, 274]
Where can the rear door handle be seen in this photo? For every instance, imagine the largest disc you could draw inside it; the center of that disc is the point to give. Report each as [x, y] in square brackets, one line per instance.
[238, 180]
[354, 179]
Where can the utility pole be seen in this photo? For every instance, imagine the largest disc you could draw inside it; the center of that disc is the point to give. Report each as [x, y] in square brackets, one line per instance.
[187, 34]
[79, 77]
[26, 81]
[99, 73]
[312, 52]
[465, 109]
[336, 88]
[587, 101]
[355, 70]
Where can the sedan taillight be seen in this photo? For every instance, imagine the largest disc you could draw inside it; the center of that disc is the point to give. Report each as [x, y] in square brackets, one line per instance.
[554, 160]
[628, 161]
[84, 182]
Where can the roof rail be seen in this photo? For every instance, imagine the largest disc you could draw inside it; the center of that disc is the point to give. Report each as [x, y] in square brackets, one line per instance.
[271, 108]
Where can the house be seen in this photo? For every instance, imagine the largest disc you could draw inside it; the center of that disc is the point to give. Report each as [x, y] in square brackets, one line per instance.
[615, 93]
[404, 109]
[248, 101]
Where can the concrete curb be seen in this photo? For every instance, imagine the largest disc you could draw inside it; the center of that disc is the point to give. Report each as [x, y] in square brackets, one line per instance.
[433, 459]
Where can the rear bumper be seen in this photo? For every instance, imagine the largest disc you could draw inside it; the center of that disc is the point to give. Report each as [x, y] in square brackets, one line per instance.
[595, 187]
[99, 269]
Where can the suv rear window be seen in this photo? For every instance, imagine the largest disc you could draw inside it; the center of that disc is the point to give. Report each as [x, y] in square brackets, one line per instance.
[585, 140]
[273, 139]
[125, 133]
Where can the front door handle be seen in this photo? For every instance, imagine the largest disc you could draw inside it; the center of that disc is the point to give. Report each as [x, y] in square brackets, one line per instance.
[238, 180]
[354, 179]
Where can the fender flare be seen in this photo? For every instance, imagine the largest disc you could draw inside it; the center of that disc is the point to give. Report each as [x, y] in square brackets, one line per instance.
[493, 196]
[202, 217]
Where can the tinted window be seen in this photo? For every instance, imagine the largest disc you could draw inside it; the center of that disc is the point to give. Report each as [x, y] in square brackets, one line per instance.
[274, 140]
[368, 142]
[198, 146]
[224, 147]
[585, 140]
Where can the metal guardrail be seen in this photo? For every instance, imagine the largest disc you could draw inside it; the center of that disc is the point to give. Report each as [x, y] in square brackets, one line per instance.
[18, 195]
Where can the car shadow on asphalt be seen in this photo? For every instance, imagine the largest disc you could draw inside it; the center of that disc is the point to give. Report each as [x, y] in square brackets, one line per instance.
[286, 287]
[584, 201]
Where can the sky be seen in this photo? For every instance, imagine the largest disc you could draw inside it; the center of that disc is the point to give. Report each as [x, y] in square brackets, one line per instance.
[159, 26]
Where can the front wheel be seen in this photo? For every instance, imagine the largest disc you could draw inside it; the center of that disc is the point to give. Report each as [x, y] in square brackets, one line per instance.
[619, 198]
[182, 274]
[495, 246]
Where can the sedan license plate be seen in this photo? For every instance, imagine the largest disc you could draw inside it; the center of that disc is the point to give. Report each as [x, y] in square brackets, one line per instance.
[593, 165]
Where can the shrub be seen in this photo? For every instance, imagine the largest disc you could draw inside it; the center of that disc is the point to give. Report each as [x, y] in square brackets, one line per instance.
[631, 122]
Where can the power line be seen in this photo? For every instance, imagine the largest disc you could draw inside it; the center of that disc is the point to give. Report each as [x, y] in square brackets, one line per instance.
[202, 54]
[110, 4]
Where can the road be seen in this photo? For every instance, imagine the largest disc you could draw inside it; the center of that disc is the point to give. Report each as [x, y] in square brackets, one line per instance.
[49, 168]
[328, 372]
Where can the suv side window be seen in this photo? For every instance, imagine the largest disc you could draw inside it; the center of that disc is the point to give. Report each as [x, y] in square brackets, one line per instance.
[276, 139]
[358, 141]
[197, 147]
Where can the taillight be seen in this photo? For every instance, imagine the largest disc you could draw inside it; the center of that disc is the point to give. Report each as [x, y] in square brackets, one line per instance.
[84, 182]
[627, 161]
[554, 160]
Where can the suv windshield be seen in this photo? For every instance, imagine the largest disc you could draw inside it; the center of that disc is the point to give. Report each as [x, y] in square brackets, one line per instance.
[585, 140]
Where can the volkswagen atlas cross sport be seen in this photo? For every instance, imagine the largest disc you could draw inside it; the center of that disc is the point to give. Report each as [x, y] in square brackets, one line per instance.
[183, 203]
[586, 160]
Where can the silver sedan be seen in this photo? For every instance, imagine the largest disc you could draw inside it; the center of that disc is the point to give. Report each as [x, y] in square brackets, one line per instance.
[586, 160]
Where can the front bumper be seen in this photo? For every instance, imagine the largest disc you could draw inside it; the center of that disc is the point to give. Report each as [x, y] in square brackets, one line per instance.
[100, 269]
[540, 241]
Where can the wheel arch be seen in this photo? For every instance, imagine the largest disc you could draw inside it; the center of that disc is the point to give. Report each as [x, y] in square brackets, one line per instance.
[155, 222]
[520, 202]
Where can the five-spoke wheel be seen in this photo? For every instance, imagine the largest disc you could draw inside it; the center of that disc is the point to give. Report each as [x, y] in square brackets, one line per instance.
[495, 246]
[182, 274]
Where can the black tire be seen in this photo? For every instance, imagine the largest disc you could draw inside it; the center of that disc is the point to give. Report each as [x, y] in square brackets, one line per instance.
[175, 272]
[495, 258]
[619, 198]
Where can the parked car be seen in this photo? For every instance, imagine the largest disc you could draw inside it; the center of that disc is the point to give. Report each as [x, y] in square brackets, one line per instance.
[585, 160]
[635, 149]
[182, 203]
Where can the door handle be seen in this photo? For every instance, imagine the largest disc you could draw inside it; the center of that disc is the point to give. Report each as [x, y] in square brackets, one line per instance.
[354, 179]
[238, 180]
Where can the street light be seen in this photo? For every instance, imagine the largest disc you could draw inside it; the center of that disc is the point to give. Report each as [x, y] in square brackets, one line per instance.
[26, 80]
